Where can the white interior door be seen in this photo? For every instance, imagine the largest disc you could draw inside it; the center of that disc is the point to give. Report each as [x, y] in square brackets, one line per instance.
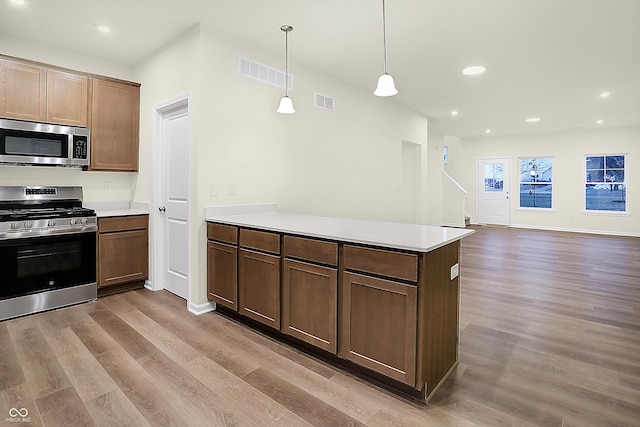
[173, 206]
[494, 191]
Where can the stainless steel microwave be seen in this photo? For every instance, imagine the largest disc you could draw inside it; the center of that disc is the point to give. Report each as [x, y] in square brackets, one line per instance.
[29, 143]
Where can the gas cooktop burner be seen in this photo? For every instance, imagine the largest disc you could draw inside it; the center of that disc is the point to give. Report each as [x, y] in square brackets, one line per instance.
[42, 211]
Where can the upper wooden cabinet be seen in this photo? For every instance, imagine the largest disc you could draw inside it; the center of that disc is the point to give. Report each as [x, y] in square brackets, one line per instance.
[22, 91]
[115, 111]
[67, 98]
[33, 93]
[110, 108]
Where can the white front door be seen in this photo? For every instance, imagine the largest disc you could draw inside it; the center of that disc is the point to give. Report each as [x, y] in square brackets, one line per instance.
[173, 197]
[494, 191]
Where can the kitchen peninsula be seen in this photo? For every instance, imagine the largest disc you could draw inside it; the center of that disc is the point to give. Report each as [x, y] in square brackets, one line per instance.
[379, 298]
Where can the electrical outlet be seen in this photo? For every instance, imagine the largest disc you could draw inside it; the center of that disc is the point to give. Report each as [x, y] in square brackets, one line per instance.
[455, 270]
[232, 190]
[107, 186]
[213, 189]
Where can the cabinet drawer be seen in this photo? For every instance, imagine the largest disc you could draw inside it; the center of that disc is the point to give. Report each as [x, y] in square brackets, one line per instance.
[222, 233]
[122, 223]
[385, 263]
[261, 240]
[311, 250]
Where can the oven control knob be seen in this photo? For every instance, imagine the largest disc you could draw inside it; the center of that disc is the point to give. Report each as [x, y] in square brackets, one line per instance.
[51, 223]
[83, 221]
[14, 225]
[73, 221]
[28, 224]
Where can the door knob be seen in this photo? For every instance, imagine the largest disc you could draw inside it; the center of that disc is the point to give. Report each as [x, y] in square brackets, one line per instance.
[162, 208]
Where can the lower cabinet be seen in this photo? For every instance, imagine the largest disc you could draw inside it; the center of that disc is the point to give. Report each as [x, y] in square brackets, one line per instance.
[391, 311]
[123, 251]
[222, 274]
[309, 303]
[378, 325]
[259, 287]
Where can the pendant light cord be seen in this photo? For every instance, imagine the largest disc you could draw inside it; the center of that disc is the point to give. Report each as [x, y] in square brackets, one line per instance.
[286, 62]
[384, 36]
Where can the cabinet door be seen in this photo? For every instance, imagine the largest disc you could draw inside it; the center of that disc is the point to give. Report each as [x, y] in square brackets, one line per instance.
[378, 325]
[222, 274]
[259, 287]
[309, 303]
[22, 91]
[122, 257]
[67, 98]
[115, 111]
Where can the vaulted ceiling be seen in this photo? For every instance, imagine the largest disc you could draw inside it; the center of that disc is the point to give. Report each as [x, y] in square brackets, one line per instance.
[550, 59]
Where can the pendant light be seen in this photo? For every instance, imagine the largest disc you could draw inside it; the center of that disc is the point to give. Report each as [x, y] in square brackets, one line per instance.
[286, 104]
[385, 87]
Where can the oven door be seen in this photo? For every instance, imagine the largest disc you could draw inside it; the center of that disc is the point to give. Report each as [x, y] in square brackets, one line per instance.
[37, 264]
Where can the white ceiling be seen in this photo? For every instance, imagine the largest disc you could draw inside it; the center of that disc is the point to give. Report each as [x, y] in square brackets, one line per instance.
[545, 58]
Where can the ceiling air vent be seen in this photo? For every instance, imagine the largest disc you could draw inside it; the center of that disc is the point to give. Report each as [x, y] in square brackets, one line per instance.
[323, 101]
[264, 73]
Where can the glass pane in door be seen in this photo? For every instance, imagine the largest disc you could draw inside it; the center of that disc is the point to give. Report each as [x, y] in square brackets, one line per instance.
[493, 178]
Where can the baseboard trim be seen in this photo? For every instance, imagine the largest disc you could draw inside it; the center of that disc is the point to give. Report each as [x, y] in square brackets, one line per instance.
[149, 285]
[199, 309]
[450, 224]
[577, 230]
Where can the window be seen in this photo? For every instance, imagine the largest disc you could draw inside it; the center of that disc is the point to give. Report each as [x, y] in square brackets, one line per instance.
[606, 188]
[536, 182]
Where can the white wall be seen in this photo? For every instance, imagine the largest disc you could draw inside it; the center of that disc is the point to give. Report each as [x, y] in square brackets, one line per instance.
[25, 49]
[568, 150]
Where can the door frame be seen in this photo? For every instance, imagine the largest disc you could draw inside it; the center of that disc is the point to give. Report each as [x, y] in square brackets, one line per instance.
[158, 235]
[480, 185]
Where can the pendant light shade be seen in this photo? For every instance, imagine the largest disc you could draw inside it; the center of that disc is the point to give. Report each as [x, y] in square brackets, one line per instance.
[286, 104]
[386, 86]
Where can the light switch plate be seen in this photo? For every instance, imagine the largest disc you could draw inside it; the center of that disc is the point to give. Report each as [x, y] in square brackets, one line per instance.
[455, 270]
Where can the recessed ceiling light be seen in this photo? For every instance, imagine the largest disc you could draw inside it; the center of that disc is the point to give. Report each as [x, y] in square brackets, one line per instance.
[103, 29]
[599, 122]
[605, 94]
[18, 2]
[474, 70]
[487, 131]
[454, 113]
[533, 120]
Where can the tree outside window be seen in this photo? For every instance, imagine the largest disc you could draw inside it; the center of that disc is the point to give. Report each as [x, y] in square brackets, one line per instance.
[536, 182]
[605, 188]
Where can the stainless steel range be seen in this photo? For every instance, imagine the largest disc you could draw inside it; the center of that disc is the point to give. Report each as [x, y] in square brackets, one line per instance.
[47, 249]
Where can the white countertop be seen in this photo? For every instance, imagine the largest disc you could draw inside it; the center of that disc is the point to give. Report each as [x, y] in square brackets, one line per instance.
[413, 237]
[119, 212]
[118, 208]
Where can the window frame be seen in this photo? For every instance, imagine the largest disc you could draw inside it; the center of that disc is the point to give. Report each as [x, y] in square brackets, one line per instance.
[585, 182]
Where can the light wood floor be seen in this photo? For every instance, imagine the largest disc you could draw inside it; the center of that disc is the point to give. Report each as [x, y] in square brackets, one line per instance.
[550, 335]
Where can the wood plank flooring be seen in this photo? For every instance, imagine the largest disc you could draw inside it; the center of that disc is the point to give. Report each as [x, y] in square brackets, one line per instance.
[550, 336]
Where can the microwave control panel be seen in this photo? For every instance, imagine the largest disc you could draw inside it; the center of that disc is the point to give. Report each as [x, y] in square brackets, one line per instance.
[80, 147]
